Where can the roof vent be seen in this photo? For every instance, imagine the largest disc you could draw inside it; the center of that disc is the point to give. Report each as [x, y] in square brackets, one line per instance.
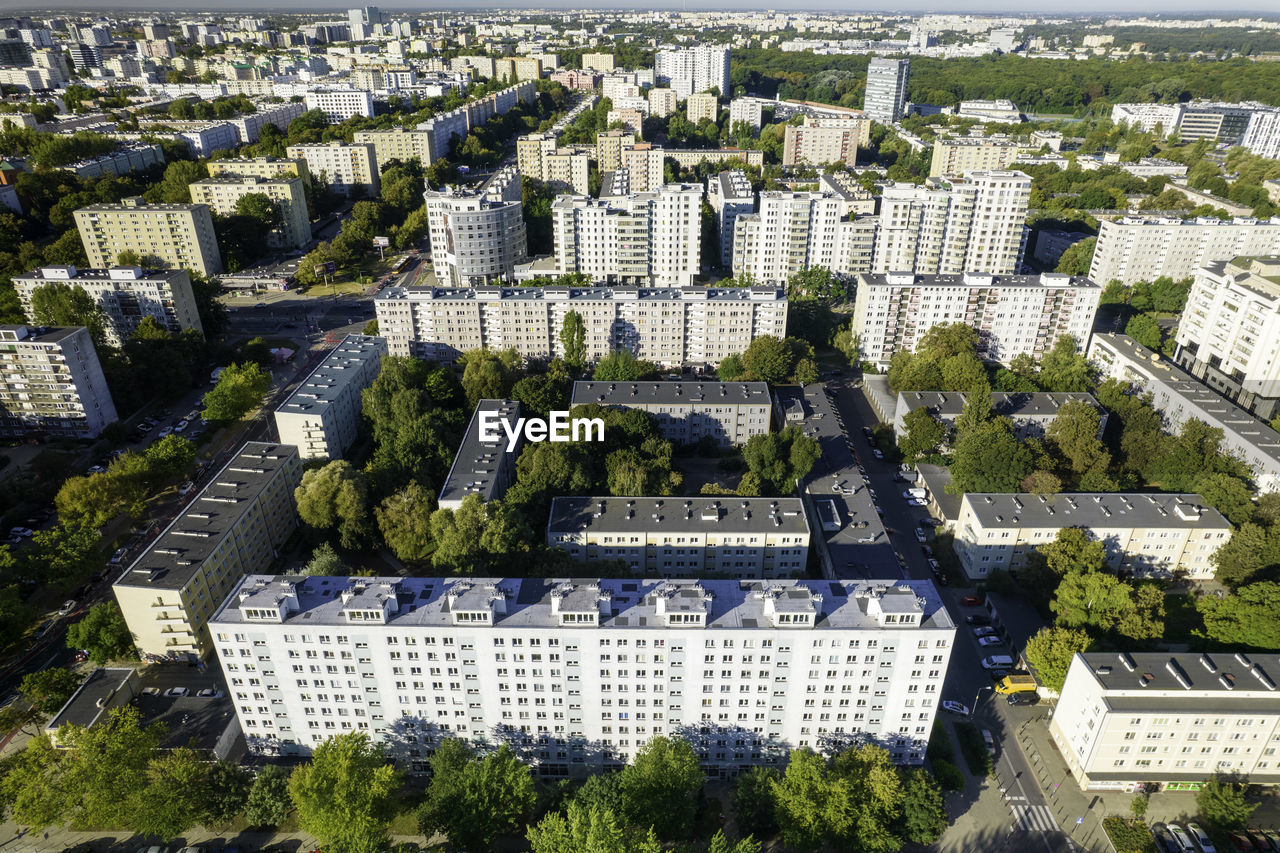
[1127, 661]
[1228, 680]
[1179, 675]
[1208, 663]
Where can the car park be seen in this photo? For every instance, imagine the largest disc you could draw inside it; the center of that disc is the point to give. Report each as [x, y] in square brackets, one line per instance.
[1196, 831]
[955, 707]
[984, 631]
[990, 641]
[177, 691]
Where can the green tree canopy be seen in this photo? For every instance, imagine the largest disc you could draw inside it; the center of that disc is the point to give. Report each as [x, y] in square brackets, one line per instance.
[346, 794]
[336, 497]
[1051, 650]
[661, 787]
[622, 366]
[780, 458]
[240, 389]
[1223, 804]
[404, 519]
[103, 633]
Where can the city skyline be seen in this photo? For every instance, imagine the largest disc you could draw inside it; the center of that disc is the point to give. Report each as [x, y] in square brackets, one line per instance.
[1196, 8]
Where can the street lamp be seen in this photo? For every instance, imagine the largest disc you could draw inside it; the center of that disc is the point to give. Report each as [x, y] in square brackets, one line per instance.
[974, 706]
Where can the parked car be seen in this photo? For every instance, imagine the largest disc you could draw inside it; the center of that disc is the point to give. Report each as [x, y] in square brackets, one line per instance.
[990, 641]
[185, 488]
[177, 691]
[971, 601]
[921, 536]
[998, 662]
[917, 502]
[984, 631]
[97, 469]
[998, 675]
[67, 606]
[978, 619]
[1242, 843]
[167, 430]
[1164, 841]
[21, 531]
[1181, 838]
[1201, 837]
[1025, 697]
[877, 453]
[181, 426]
[989, 741]
[210, 693]
[82, 656]
[1260, 840]
[955, 707]
[931, 522]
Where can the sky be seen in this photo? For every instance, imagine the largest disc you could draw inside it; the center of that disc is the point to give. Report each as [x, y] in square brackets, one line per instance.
[1165, 7]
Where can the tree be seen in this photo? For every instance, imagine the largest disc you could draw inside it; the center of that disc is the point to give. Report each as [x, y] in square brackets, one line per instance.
[768, 359]
[240, 389]
[1245, 619]
[65, 555]
[810, 806]
[226, 792]
[573, 337]
[1092, 600]
[1064, 367]
[989, 459]
[1074, 434]
[488, 375]
[1073, 550]
[1077, 257]
[405, 522]
[477, 538]
[1051, 650]
[622, 366]
[175, 795]
[924, 813]
[780, 458]
[1222, 803]
[336, 496]
[588, 830]
[268, 803]
[103, 633]
[1252, 554]
[49, 689]
[1145, 330]
[923, 434]
[256, 350]
[1229, 495]
[346, 794]
[325, 562]
[485, 798]
[60, 304]
[661, 788]
[753, 801]
[1138, 806]
[171, 456]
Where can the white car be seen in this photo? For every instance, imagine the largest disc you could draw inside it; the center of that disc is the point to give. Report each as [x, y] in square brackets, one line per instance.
[67, 607]
[177, 691]
[210, 693]
[989, 641]
[920, 535]
[877, 453]
[185, 488]
[955, 707]
[916, 502]
[984, 631]
[1202, 838]
[1180, 835]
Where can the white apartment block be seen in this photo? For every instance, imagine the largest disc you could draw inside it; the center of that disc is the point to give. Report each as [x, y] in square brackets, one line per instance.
[1136, 248]
[348, 169]
[445, 127]
[477, 236]
[169, 235]
[794, 231]
[1149, 117]
[701, 105]
[258, 167]
[730, 413]
[1229, 334]
[125, 294]
[322, 416]
[577, 675]
[1151, 535]
[748, 110]
[730, 196]
[286, 193]
[234, 525]
[662, 102]
[693, 69]
[397, 143]
[483, 465]
[1173, 719]
[954, 157]
[1013, 314]
[338, 105]
[202, 137]
[130, 157]
[1179, 396]
[641, 238]
[885, 100]
[977, 224]
[668, 326]
[825, 140]
[1262, 137]
[249, 126]
[51, 383]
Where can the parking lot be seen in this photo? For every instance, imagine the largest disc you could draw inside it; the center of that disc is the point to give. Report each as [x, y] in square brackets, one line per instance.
[193, 720]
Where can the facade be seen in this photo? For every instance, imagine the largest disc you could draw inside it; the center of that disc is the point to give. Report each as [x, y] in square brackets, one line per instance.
[171, 235]
[701, 105]
[538, 156]
[825, 140]
[730, 195]
[130, 157]
[602, 62]
[641, 238]
[609, 147]
[1176, 720]
[482, 467]
[235, 524]
[340, 104]
[693, 69]
[748, 110]
[662, 102]
[477, 237]
[1179, 396]
[953, 157]
[125, 294]
[791, 232]
[1052, 242]
[729, 413]
[1001, 110]
[1229, 333]
[322, 416]
[885, 100]
[1149, 117]
[668, 326]
[397, 143]
[250, 125]
[258, 167]
[1262, 136]
[1152, 535]
[1013, 314]
[886, 647]
[202, 137]
[287, 193]
[1135, 248]
[52, 383]
[973, 225]
[1031, 413]
[349, 169]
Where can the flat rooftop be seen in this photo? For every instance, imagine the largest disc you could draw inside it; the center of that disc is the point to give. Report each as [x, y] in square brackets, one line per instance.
[175, 556]
[16, 333]
[728, 604]
[1150, 680]
[678, 515]
[111, 274]
[1095, 509]
[1009, 404]
[475, 467]
[82, 709]
[341, 366]
[670, 393]
[972, 280]
[601, 292]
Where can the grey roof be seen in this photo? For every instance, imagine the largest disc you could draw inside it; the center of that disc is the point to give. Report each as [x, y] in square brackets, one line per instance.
[1262, 280]
[629, 603]
[678, 515]
[936, 478]
[51, 273]
[82, 708]
[331, 375]
[899, 279]
[734, 186]
[1095, 509]
[475, 467]
[1149, 676]
[175, 556]
[671, 393]
[1010, 404]
[466, 294]
[35, 334]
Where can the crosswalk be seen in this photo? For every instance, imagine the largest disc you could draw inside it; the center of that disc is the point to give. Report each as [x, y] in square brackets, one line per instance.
[1033, 818]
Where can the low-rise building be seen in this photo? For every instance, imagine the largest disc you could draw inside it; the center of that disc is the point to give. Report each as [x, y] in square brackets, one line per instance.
[728, 413]
[322, 415]
[51, 383]
[1031, 413]
[484, 465]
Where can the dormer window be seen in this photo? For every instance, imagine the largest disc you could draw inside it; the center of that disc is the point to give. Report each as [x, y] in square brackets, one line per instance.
[260, 614]
[471, 617]
[364, 615]
[794, 619]
[695, 619]
[579, 619]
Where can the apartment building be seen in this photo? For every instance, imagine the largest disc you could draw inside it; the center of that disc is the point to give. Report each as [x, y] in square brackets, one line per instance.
[1137, 248]
[51, 383]
[609, 147]
[825, 140]
[999, 110]
[259, 167]
[538, 156]
[957, 156]
[1150, 535]
[730, 196]
[202, 138]
[577, 675]
[1262, 137]
[125, 294]
[1031, 413]
[885, 99]
[483, 465]
[445, 127]
[746, 110]
[1179, 396]
[477, 236]
[976, 224]
[793, 231]
[573, 79]
[234, 525]
[1229, 334]
[632, 119]
[668, 326]
[322, 416]
[640, 238]
[693, 69]
[1149, 117]
[338, 105]
[397, 143]
[662, 102]
[286, 192]
[602, 62]
[167, 235]
[348, 169]
[702, 105]
[130, 157]
[1013, 314]
[249, 126]
[1130, 719]
[729, 413]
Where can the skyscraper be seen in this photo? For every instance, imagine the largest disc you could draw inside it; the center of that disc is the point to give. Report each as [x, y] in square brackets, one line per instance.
[886, 96]
[695, 69]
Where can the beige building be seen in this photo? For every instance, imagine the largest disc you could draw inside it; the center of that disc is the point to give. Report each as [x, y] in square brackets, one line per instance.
[322, 416]
[663, 102]
[1173, 719]
[563, 168]
[825, 140]
[51, 383]
[347, 168]
[729, 413]
[956, 156]
[287, 193]
[258, 167]
[609, 147]
[633, 119]
[171, 235]
[701, 105]
[1152, 535]
[234, 526]
[125, 294]
[603, 62]
[397, 143]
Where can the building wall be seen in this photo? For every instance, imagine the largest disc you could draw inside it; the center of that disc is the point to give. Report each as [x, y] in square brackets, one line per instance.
[1136, 249]
[176, 235]
[52, 384]
[222, 194]
[327, 429]
[347, 168]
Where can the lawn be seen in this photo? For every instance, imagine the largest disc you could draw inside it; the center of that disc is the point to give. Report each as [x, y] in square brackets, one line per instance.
[1180, 619]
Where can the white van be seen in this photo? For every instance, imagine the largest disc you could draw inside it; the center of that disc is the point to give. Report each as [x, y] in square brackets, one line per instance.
[997, 662]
